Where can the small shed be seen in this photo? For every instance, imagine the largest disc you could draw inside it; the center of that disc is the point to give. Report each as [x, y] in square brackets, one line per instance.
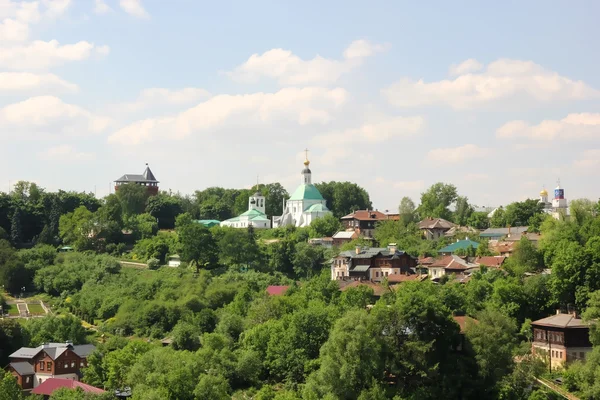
[174, 261]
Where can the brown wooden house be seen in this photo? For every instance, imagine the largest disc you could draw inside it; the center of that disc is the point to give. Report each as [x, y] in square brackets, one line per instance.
[32, 366]
[561, 338]
[363, 222]
[372, 263]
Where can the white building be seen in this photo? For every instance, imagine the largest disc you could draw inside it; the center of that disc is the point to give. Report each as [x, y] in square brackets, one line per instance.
[558, 207]
[255, 215]
[305, 205]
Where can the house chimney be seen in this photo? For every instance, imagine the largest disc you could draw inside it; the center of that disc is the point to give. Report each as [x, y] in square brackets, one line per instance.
[392, 247]
[45, 345]
[357, 249]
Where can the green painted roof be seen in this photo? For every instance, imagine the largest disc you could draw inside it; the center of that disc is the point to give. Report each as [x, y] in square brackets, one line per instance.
[207, 222]
[253, 215]
[461, 244]
[307, 192]
[317, 208]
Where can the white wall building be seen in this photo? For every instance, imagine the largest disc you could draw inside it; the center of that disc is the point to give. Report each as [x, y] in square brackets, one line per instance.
[305, 205]
[255, 215]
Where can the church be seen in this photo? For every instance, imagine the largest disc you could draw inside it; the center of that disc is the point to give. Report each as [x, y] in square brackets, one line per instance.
[255, 216]
[306, 203]
[559, 206]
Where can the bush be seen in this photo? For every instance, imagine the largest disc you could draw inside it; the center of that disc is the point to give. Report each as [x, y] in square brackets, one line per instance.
[153, 263]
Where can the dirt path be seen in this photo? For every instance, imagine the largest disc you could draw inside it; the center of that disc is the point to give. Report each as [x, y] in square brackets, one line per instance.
[23, 310]
[131, 264]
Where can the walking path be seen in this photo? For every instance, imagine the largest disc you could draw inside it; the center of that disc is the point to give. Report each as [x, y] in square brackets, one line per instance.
[556, 389]
[23, 310]
[131, 264]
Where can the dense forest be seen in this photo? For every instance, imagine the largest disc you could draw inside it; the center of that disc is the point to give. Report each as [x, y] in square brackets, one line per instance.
[230, 339]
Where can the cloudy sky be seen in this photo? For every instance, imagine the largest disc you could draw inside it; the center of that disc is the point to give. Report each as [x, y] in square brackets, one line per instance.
[498, 99]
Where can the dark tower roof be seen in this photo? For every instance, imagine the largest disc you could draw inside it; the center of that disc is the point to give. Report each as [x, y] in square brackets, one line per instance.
[146, 177]
[149, 175]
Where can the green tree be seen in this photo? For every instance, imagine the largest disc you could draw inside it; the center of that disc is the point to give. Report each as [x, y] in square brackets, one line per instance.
[344, 197]
[16, 232]
[186, 336]
[350, 359]
[55, 329]
[133, 198]
[493, 341]
[77, 228]
[436, 200]
[308, 259]
[9, 389]
[211, 387]
[198, 246]
[236, 246]
[498, 219]
[407, 211]
[165, 208]
[463, 211]
[478, 220]
[324, 227]
[519, 213]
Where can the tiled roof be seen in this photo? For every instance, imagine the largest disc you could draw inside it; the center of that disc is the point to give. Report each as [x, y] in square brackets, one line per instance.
[461, 244]
[52, 384]
[147, 177]
[561, 321]
[399, 278]
[490, 261]
[463, 320]
[274, 290]
[22, 368]
[496, 232]
[370, 215]
[452, 263]
[435, 223]
[370, 252]
[54, 350]
[426, 260]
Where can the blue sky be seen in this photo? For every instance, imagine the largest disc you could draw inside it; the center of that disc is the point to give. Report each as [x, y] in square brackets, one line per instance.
[498, 98]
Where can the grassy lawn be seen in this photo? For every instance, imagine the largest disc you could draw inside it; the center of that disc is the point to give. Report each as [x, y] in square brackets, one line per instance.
[36, 309]
[12, 309]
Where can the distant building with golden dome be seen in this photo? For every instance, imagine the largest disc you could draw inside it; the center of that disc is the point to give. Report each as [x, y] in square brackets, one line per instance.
[306, 203]
[559, 206]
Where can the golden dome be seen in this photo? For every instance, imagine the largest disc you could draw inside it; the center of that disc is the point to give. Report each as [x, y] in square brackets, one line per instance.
[544, 192]
[306, 162]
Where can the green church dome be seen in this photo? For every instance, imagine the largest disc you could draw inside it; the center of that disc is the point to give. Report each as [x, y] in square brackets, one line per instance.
[307, 192]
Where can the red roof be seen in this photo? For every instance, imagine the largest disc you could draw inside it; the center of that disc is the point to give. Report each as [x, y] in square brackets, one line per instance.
[398, 278]
[490, 261]
[462, 321]
[368, 215]
[277, 290]
[52, 384]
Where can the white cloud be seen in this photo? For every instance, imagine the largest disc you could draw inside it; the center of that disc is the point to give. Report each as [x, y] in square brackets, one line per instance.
[502, 80]
[455, 155]
[162, 96]
[573, 126]
[101, 7]
[13, 31]
[49, 114]
[302, 106]
[134, 7]
[65, 153]
[476, 177]
[56, 8]
[466, 67]
[589, 161]
[26, 81]
[42, 55]
[375, 132]
[289, 69]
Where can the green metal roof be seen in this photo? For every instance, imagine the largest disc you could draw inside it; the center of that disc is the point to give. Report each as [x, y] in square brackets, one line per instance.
[253, 215]
[207, 222]
[307, 192]
[461, 244]
[317, 208]
[361, 268]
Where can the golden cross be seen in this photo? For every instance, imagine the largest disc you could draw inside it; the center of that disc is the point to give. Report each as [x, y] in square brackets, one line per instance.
[306, 153]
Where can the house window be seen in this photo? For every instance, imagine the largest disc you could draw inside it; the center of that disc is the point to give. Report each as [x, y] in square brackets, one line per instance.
[386, 274]
[66, 364]
[72, 364]
[561, 354]
[27, 379]
[81, 364]
[41, 365]
[552, 353]
[49, 366]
